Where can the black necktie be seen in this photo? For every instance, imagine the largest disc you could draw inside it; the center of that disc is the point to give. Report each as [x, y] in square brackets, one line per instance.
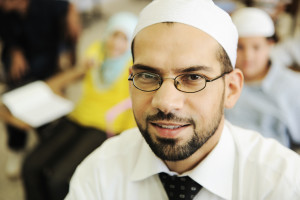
[179, 187]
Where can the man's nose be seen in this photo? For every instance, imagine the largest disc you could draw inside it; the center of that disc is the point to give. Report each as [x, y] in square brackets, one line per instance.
[167, 98]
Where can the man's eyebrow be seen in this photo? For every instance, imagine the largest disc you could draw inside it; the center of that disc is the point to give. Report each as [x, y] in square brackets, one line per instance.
[188, 69]
[195, 68]
[144, 67]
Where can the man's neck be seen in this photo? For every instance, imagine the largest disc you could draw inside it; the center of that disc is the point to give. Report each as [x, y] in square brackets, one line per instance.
[192, 161]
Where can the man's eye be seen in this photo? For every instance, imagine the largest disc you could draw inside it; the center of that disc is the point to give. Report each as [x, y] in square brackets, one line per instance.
[148, 76]
[194, 77]
[191, 77]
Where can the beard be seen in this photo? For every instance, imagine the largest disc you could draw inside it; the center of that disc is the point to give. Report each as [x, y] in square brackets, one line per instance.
[169, 149]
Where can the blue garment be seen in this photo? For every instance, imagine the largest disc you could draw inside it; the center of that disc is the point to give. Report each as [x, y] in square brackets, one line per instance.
[111, 69]
[271, 107]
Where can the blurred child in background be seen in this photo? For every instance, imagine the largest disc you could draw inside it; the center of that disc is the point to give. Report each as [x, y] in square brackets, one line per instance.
[270, 101]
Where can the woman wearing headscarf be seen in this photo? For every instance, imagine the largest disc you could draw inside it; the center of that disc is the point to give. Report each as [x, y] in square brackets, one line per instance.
[103, 111]
[105, 86]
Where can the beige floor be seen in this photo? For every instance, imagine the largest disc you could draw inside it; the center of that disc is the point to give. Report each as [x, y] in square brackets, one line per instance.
[13, 189]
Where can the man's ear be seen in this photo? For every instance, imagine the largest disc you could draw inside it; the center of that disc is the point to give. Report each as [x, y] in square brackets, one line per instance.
[130, 70]
[234, 85]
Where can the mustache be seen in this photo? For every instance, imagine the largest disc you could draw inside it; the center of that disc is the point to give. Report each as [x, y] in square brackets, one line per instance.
[169, 117]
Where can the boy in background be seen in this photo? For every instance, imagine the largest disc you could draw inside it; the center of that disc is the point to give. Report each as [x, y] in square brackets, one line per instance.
[269, 102]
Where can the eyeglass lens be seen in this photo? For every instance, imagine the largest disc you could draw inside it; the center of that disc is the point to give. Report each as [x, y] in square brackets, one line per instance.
[185, 82]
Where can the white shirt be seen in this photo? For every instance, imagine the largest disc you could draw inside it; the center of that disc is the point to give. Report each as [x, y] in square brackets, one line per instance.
[242, 166]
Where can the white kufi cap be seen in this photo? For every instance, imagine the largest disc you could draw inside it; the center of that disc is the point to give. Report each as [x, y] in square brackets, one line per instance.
[252, 22]
[201, 14]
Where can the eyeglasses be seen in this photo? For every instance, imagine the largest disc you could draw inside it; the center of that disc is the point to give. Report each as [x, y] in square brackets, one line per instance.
[188, 83]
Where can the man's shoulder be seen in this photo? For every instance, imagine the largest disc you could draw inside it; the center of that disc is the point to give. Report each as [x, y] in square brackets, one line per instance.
[115, 150]
[265, 162]
[124, 143]
[115, 156]
[253, 143]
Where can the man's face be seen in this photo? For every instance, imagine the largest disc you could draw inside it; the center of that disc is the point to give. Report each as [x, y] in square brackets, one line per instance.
[177, 124]
[253, 56]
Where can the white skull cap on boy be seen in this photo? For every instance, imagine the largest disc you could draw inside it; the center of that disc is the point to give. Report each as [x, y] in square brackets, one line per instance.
[252, 22]
[201, 14]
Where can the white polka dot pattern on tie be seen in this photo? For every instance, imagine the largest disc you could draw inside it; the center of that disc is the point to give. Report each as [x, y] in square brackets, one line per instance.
[179, 187]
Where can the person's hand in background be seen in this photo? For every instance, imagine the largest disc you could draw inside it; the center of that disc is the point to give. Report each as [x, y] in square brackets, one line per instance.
[19, 66]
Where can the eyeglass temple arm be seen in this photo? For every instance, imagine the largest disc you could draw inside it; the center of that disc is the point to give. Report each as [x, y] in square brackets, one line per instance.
[130, 77]
[211, 80]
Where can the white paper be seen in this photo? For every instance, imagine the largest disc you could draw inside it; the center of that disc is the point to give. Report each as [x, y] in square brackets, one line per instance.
[36, 104]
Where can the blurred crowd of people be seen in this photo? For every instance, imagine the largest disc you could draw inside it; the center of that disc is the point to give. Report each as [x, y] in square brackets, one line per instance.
[35, 33]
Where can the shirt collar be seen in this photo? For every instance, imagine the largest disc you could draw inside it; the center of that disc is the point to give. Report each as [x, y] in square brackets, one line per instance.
[214, 173]
[147, 164]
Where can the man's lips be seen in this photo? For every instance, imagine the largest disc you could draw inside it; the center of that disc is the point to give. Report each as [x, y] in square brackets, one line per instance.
[168, 126]
[168, 130]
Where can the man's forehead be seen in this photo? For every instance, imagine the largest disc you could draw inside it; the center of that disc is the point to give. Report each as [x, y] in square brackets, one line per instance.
[163, 35]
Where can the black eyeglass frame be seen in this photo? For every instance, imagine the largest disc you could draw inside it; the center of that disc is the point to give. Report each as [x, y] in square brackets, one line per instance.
[131, 78]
